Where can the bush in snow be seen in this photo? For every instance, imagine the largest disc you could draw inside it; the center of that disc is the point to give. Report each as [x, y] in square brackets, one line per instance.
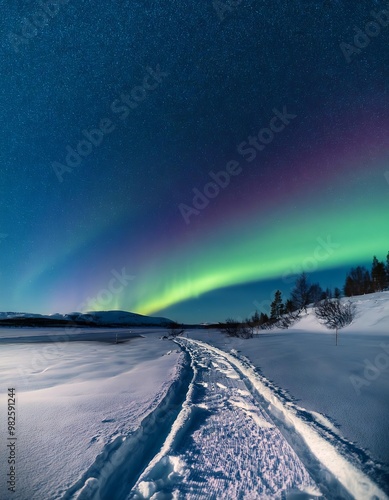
[287, 320]
[175, 329]
[335, 315]
[234, 328]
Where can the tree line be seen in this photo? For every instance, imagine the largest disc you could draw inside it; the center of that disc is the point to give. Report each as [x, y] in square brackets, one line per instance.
[360, 280]
[327, 304]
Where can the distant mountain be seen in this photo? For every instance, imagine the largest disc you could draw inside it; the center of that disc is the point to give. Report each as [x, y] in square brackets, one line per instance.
[94, 318]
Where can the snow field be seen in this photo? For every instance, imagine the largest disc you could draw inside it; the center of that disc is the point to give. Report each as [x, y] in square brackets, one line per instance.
[76, 410]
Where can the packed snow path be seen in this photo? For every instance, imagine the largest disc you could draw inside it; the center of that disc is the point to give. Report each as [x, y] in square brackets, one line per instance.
[222, 431]
[224, 444]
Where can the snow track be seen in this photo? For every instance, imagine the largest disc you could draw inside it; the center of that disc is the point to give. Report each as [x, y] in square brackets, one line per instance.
[223, 431]
[335, 464]
[123, 459]
[223, 444]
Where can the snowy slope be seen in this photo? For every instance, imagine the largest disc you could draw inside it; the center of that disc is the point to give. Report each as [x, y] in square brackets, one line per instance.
[372, 315]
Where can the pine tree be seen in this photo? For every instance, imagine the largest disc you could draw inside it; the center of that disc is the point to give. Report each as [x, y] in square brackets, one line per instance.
[387, 270]
[289, 308]
[316, 293]
[378, 275]
[327, 294]
[277, 306]
[348, 288]
[367, 283]
[358, 282]
[337, 293]
[300, 293]
[255, 318]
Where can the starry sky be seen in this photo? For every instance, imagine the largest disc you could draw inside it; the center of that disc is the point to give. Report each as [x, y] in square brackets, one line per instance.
[118, 116]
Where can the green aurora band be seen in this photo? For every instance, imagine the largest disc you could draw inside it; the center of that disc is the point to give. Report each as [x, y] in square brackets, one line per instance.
[314, 236]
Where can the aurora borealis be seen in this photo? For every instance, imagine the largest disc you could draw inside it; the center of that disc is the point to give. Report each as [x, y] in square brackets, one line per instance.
[320, 182]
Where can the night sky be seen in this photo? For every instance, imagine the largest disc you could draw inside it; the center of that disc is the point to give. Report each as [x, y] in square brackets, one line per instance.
[277, 93]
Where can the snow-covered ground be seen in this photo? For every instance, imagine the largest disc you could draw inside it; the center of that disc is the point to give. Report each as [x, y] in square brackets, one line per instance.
[224, 444]
[77, 406]
[284, 415]
[348, 382]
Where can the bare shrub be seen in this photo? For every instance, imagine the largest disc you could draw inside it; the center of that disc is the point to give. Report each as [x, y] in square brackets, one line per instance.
[335, 315]
[234, 328]
[175, 329]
